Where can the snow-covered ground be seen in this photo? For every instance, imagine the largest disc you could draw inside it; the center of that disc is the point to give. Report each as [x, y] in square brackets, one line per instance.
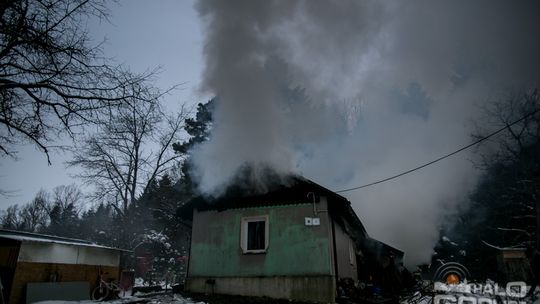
[156, 299]
[174, 298]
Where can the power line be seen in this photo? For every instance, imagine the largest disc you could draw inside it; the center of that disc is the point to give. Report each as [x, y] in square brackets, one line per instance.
[442, 157]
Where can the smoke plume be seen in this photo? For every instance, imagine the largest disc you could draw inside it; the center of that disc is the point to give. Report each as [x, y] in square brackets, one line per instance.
[348, 92]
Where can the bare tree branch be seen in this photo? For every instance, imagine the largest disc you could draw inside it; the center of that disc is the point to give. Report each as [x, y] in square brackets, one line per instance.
[130, 151]
[53, 80]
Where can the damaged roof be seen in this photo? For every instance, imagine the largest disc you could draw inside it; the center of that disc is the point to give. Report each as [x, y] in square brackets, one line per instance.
[290, 190]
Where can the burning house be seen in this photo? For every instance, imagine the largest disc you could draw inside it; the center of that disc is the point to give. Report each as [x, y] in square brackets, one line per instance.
[297, 241]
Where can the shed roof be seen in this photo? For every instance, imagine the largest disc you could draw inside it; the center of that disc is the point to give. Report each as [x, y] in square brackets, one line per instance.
[43, 238]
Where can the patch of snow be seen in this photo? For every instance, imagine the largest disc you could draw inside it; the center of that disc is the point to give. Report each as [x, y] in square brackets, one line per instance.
[447, 240]
[174, 299]
[38, 239]
[138, 282]
[117, 301]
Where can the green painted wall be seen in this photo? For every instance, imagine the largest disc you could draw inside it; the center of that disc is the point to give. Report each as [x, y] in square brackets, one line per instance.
[293, 248]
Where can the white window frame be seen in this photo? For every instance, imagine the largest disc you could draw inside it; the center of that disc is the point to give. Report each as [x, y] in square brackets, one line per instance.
[244, 233]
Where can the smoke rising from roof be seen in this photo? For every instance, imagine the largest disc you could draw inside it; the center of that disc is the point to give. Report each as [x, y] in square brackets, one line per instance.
[347, 92]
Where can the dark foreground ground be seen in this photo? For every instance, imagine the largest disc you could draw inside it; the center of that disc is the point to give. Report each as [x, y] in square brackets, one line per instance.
[227, 299]
[222, 299]
[188, 298]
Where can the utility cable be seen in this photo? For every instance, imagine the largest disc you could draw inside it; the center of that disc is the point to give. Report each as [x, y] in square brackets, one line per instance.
[442, 157]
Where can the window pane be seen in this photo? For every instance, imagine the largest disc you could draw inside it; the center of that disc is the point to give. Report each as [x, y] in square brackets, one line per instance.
[255, 235]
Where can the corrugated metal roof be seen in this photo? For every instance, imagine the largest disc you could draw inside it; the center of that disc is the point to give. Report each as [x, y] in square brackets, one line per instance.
[289, 190]
[43, 238]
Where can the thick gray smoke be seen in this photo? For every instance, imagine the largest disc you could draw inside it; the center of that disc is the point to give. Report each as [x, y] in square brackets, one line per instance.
[380, 88]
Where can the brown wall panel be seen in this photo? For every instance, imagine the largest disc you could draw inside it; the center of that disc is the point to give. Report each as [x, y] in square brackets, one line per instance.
[47, 272]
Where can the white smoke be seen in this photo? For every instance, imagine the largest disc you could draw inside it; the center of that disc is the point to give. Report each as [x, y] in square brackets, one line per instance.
[388, 86]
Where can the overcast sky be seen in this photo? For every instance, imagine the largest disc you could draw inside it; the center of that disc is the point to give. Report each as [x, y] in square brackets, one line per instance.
[143, 35]
[389, 85]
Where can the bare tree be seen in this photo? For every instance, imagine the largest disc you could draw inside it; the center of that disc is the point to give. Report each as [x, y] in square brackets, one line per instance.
[63, 196]
[523, 107]
[53, 78]
[34, 214]
[10, 218]
[510, 191]
[31, 217]
[129, 152]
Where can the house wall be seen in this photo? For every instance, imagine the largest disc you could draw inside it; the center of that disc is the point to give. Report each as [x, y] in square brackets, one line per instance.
[46, 262]
[319, 288]
[297, 264]
[345, 255]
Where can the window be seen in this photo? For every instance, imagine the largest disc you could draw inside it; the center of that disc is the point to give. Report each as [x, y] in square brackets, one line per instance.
[254, 234]
[255, 237]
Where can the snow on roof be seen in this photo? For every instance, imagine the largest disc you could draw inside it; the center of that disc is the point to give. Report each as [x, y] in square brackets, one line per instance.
[43, 238]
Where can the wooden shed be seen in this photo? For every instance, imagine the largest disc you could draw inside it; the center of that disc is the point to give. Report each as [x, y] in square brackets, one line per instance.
[72, 265]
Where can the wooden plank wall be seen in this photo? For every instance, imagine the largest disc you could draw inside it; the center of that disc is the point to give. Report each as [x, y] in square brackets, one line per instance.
[47, 272]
